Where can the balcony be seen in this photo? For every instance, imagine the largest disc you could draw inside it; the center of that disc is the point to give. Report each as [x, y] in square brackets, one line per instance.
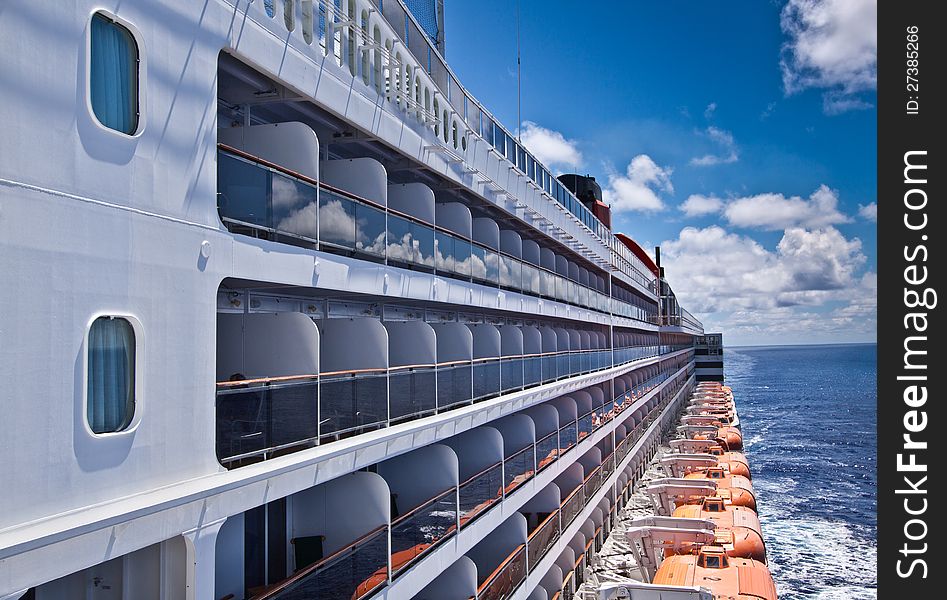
[287, 384]
[262, 199]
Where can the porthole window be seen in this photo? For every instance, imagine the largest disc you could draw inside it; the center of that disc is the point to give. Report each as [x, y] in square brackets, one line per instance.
[113, 75]
[110, 395]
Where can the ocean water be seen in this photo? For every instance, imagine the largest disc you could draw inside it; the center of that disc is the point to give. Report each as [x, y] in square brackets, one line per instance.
[808, 416]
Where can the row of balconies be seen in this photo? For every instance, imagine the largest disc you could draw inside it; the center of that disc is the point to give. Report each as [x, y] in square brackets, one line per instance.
[437, 492]
[402, 226]
[286, 383]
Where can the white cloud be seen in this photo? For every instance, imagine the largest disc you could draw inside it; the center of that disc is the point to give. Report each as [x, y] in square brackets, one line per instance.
[806, 289]
[772, 211]
[550, 147]
[724, 139]
[639, 188]
[832, 45]
[710, 110]
[869, 212]
[698, 205]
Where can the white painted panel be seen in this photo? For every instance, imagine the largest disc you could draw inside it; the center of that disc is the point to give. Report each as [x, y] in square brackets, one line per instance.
[229, 574]
[419, 475]
[532, 340]
[476, 449]
[349, 344]
[531, 252]
[511, 340]
[511, 243]
[455, 217]
[454, 341]
[570, 478]
[545, 500]
[291, 145]
[266, 345]
[545, 418]
[567, 409]
[342, 509]
[486, 340]
[410, 343]
[456, 582]
[552, 580]
[550, 339]
[364, 177]
[494, 549]
[415, 199]
[487, 232]
[518, 432]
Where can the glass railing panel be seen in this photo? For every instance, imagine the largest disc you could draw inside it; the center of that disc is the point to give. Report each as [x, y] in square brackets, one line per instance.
[550, 370]
[531, 280]
[352, 403]
[338, 225]
[409, 243]
[255, 418]
[585, 359]
[370, 230]
[454, 385]
[532, 370]
[478, 263]
[575, 362]
[511, 374]
[412, 392]
[417, 532]
[547, 284]
[462, 258]
[257, 201]
[568, 436]
[486, 378]
[294, 207]
[354, 572]
[480, 492]
[518, 469]
[242, 192]
[562, 364]
[572, 505]
[542, 539]
[506, 578]
[492, 264]
[585, 425]
[547, 450]
[593, 481]
[444, 253]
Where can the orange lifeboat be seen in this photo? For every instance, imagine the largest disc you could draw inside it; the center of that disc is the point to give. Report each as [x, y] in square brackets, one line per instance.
[738, 528]
[728, 437]
[734, 462]
[726, 577]
[738, 488]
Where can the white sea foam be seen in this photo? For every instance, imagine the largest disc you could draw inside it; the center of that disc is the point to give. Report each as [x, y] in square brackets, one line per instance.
[814, 558]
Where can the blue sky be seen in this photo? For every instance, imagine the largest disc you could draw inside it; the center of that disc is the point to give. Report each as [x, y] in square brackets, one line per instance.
[740, 136]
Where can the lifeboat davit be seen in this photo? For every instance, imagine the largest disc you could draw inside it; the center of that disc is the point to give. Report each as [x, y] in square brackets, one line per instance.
[738, 528]
[726, 577]
[737, 487]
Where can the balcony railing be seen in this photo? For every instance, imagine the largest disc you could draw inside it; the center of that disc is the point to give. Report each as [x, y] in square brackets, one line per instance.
[480, 492]
[506, 578]
[518, 469]
[265, 200]
[354, 571]
[420, 530]
[572, 505]
[261, 418]
[542, 538]
[547, 450]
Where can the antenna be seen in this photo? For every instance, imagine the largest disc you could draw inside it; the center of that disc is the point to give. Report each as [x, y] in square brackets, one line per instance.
[519, 79]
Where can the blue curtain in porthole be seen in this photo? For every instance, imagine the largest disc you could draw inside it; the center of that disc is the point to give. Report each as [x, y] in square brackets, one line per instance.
[112, 88]
[111, 375]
